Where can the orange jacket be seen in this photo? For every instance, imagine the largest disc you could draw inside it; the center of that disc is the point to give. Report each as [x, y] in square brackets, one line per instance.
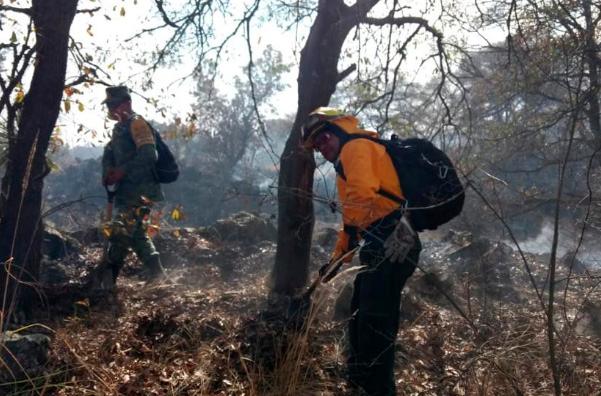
[367, 168]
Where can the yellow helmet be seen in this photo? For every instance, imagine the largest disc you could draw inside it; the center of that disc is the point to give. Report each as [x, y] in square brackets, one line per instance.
[317, 120]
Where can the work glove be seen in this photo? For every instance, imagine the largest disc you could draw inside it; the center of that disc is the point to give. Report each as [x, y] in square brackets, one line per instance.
[400, 241]
[348, 239]
[113, 176]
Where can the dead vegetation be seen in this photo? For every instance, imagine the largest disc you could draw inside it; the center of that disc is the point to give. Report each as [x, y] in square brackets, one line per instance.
[210, 330]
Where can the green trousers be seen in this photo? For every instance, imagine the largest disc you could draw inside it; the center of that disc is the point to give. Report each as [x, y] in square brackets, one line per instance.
[375, 305]
[130, 232]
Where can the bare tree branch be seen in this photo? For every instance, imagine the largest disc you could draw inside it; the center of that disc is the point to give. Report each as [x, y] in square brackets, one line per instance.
[403, 21]
[90, 11]
[20, 62]
[164, 15]
[20, 10]
[346, 72]
[270, 150]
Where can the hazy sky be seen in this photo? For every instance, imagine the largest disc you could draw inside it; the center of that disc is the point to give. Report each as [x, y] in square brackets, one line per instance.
[103, 36]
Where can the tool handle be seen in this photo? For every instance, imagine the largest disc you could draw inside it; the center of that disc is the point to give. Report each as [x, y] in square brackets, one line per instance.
[334, 267]
[336, 264]
[109, 211]
[111, 190]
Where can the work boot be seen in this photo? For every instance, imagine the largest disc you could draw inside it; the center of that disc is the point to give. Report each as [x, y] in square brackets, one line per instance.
[154, 269]
[104, 279]
[102, 287]
[115, 269]
[107, 280]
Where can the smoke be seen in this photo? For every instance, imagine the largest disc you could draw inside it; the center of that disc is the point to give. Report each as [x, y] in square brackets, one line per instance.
[542, 243]
[589, 252]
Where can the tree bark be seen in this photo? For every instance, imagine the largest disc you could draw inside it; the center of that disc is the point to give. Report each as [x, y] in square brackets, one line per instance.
[592, 61]
[26, 168]
[317, 79]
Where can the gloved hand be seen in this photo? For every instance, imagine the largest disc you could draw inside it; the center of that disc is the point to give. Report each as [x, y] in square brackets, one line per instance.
[113, 176]
[400, 241]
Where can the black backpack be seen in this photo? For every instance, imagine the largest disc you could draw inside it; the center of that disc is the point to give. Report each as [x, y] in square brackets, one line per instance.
[166, 168]
[433, 192]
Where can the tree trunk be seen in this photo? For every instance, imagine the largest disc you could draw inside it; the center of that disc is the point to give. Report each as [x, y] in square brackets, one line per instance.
[26, 167]
[592, 61]
[317, 79]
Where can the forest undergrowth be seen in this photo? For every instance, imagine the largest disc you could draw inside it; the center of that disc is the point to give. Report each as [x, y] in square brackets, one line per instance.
[209, 330]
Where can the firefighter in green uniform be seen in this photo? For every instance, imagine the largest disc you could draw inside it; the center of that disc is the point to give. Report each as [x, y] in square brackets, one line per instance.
[128, 174]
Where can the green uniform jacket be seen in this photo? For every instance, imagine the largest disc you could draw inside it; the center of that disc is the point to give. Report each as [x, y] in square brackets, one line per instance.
[136, 158]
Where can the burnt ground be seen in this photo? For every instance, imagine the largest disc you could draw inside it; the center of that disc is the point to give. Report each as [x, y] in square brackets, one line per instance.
[209, 330]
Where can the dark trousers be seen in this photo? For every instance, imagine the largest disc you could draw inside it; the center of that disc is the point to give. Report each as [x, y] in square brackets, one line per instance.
[375, 305]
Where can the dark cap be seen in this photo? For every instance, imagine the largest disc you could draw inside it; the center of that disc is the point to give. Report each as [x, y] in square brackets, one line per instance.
[116, 95]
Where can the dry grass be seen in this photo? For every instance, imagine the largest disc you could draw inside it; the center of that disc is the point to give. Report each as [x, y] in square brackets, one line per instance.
[204, 334]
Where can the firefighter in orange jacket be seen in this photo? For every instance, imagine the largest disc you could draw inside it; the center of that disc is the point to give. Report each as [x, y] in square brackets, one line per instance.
[369, 191]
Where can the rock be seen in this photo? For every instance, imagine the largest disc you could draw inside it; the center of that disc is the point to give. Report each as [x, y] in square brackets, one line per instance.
[72, 279]
[55, 273]
[186, 231]
[23, 356]
[88, 236]
[488, 264]
[478, 248]
[75, 271]
[56, 245]
[570, 260]
[460, 238]
[241, 227]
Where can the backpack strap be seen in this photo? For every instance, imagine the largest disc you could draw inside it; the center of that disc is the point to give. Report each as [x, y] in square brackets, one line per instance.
[340, 169]
[127, 123]
[391, 196]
